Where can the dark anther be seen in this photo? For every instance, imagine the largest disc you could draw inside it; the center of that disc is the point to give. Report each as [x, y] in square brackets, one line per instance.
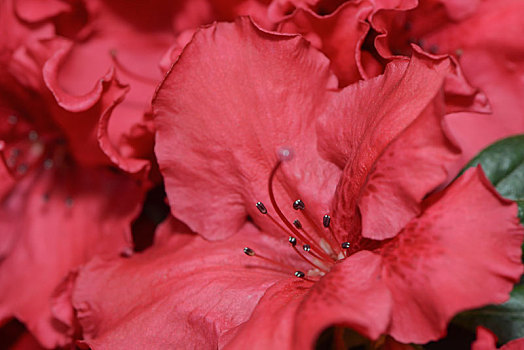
[22, 168]
[299, 205]
[300, 274]
[306, 247]
[345, 245]
[48, 164]
[249, 251]
[33, 135]
[326, 220]
[297, 224]
[292, 241]
[261, 207]
[12, 119]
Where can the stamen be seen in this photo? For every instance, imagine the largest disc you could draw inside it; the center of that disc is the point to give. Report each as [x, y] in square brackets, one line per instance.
[12, 119]
[300, 274]
[297, 224]
[326, 220]
[299, 205]
[277, 209]
[307, 260]
[22, 168]
[33, 136]
[284, 220]
[261, 207]
[249, 252]
[345, 245]
[292, 240]
[48, 164]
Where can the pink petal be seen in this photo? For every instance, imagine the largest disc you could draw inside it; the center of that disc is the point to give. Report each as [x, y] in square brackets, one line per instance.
[74, 215]
[338, 35]
[235, 96]
[463, 252]
[290, 316]
[185, 292]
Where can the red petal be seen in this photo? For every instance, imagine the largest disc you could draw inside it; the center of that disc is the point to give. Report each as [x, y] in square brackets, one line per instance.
[352, 294]
[491, 48]
[487, 41]
[36, 10]
[129, 40]
[79, 115]
[414, 165]
[59, 221]
[486, 340]
[379, 110]
[291, 317]
[463, 252]
[186, 292]
[235, 96]
[338, 35]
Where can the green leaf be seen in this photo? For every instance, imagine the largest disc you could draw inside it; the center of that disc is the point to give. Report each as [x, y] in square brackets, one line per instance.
[505, 320]
[503, 163]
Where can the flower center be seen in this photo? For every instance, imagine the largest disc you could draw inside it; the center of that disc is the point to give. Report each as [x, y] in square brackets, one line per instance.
[24, 149]
[320, 251]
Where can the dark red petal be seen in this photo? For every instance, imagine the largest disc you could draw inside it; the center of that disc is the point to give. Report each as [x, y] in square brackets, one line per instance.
[463, 252]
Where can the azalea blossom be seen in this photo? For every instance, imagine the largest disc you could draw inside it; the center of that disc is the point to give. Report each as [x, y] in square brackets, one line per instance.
[320, 205]
[485, 38]
[60, 204]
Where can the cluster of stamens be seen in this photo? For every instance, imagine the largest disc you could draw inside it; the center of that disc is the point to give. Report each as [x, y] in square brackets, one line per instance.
[319, 253]
[24, 150]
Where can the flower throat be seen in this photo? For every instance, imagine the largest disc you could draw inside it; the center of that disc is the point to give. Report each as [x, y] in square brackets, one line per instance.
[320, 254]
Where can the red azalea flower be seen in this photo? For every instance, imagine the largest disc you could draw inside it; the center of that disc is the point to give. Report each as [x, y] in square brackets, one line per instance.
[485, 36]
[486, 340]
[55, 211]
[388, 257]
